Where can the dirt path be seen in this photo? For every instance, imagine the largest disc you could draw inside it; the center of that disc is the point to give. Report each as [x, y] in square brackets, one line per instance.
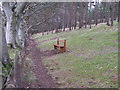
[43, 80]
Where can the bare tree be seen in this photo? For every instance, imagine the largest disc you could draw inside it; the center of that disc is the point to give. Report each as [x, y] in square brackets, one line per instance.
[96, 12]
[14, 12]
[90, 14]
[86, 14]
[112, 12]
[5, 55]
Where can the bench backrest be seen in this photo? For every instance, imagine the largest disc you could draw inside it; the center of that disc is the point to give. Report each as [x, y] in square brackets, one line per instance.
[64, 41]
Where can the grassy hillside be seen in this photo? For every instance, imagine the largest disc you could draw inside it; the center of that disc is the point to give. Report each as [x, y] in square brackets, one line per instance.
[91, 59]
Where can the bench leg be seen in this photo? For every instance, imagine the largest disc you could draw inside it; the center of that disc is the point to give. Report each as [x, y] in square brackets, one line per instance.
[62, 50]
[55, 47]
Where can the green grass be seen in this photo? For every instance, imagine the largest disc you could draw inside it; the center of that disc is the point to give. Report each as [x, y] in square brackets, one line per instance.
[91, 59]
[12, 52]
[4, 70]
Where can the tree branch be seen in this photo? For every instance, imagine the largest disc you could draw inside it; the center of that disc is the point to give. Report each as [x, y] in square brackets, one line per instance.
[20, 7]
[41, 9]
[41, 22]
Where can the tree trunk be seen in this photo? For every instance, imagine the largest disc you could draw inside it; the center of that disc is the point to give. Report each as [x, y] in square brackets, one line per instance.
[1, 37]
[119, 12]
[5, 55]
[64, 18]
[70, 16]
[107, 13]
[13, 21]
[90, 17]
[75, 15]
[86, 14]
[96, 13]
[104, 11]
[8, 31]
[81, 15]
[8, 13]
[20, 35]
[112, 13]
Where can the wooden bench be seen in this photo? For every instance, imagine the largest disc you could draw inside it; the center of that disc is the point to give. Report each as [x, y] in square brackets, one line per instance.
[61, 48]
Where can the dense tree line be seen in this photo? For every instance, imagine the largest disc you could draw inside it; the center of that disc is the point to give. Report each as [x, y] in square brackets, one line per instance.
[59, 16]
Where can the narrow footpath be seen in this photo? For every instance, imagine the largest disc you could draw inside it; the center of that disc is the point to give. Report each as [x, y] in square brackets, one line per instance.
[43, 80]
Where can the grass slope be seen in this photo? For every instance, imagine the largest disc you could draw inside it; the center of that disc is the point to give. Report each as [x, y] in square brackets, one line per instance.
[91, 59]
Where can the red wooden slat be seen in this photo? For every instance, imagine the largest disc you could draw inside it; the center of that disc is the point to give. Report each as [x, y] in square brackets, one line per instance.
[61, 40]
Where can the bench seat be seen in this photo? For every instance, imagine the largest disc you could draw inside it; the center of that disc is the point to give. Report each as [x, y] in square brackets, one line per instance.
[58, 45]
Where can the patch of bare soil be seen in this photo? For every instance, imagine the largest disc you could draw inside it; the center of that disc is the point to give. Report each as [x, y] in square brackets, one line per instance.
[43, 80]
